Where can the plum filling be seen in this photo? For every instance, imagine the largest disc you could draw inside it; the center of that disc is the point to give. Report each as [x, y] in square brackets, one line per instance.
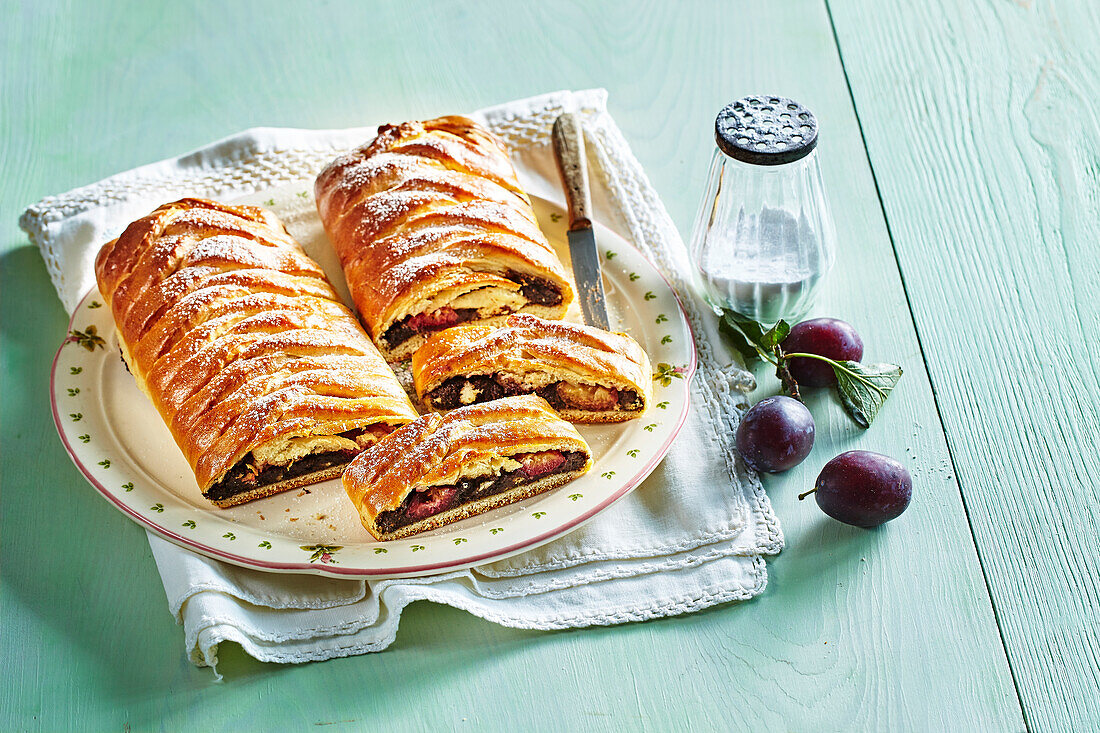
[422, 504]
[560, 395]
[437, 320]
[247, 475]
[535, 290]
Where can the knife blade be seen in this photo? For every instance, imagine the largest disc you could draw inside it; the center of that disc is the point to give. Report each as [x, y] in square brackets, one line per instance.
[568, 143]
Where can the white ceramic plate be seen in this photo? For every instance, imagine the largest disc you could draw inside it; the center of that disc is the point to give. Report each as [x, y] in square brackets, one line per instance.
[117, 439]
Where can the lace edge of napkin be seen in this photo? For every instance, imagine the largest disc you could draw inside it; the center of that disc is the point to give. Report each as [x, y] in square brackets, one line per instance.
[202, 642]
[650, 223]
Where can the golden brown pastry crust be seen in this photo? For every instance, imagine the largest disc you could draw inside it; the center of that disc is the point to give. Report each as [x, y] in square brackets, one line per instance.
[241, 343]
[440, 450]
[531, 354]
[429, 216]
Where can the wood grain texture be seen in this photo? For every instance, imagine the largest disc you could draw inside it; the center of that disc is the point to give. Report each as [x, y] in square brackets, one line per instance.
[983, 130]
[888, 630]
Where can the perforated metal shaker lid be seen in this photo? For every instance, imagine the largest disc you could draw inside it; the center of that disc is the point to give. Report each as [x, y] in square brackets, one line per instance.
[765, 130]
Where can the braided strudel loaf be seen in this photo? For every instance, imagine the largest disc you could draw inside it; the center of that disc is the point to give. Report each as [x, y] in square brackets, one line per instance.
[432, 230]
[587, 374]
[266, 381]
[443, 468]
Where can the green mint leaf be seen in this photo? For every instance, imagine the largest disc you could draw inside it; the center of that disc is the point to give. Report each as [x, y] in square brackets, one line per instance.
[775, 335]
[752, 339]
[753, 330]
[739, 341]
[863, 388]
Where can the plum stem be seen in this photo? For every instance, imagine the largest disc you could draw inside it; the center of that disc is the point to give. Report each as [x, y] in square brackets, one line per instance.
[825, 359]
[838, 367]
[803, 496]
[790, 386]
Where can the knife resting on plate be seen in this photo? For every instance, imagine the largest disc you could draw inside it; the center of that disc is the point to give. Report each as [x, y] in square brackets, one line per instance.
[568, 142]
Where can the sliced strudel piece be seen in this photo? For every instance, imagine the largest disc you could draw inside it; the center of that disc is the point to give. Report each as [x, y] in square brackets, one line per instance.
[432, 229]
[587, 374]
[443, 468]
[265, 379]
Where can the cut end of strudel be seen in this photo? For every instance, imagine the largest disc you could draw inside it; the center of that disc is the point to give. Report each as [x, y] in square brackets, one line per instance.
[587, 374]
[442, 468]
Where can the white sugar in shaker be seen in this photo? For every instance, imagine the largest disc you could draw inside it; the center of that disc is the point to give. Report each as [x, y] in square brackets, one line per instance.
[763, 238]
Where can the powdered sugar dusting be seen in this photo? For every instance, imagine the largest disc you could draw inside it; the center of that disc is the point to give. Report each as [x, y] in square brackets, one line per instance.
[422, 200]
[437, 450]
[238, 288]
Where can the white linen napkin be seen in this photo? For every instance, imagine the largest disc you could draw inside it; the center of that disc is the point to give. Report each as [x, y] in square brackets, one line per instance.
[693, 535]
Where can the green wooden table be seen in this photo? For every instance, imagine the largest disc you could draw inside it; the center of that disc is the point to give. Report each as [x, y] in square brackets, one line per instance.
[960, 149]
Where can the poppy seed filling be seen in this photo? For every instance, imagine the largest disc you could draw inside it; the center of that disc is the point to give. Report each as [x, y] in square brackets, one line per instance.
[448, 396]
[247, 475]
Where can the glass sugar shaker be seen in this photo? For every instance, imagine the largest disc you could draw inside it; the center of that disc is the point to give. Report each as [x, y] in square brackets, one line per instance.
[763, 239]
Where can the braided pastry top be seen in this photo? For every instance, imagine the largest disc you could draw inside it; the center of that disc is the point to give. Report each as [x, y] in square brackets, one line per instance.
[432, 229]
[239, 340]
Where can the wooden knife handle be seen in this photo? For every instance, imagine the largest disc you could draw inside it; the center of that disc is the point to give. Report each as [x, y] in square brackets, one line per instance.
[569, 153]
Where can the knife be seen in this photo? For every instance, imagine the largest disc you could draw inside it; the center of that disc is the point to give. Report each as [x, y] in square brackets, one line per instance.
[569, 153]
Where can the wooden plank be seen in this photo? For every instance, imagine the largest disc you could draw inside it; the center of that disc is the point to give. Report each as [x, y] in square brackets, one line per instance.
[982, 128]
[857, 629]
